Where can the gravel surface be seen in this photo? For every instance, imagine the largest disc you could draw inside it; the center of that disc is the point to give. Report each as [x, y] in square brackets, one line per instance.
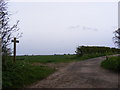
[83, 74]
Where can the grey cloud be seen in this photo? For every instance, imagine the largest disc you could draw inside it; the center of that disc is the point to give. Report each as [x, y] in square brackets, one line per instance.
[83, 28]
[115, 27]
[74, 27]
[89, 28]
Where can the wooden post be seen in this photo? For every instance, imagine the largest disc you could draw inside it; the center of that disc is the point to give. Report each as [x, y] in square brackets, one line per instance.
[15, 41]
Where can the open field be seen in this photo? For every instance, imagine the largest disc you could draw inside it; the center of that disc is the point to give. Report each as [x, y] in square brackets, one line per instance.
[55, 58]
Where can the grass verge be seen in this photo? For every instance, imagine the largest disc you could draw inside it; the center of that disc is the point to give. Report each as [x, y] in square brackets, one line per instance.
[21, 74]
[112, 63]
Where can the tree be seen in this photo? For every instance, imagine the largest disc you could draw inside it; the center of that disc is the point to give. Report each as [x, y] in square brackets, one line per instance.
[6, 30]
[116, 38]
[79, 51]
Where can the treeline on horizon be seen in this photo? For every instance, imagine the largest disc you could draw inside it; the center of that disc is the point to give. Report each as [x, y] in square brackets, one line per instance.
[80, 50]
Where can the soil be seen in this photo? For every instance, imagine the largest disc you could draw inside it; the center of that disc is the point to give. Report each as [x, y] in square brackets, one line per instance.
[83, 74]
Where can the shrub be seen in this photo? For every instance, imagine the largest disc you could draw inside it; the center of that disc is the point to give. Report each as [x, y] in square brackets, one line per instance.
[81, 50]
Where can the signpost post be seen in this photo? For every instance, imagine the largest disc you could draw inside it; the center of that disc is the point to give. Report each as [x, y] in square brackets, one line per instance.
[15, 41]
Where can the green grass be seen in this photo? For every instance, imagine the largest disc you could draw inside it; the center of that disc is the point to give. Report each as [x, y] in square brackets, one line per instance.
[21, 74]
[112, 63]
[55, 58]
[47, 58]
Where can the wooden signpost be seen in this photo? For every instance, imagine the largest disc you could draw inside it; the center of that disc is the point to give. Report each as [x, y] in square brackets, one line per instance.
[15, 41]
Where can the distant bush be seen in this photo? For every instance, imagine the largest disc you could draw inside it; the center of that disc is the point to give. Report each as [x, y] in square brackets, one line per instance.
[112, 63]
[80, 50]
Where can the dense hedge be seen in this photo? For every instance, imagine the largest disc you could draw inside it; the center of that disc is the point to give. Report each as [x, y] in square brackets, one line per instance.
[80, 50]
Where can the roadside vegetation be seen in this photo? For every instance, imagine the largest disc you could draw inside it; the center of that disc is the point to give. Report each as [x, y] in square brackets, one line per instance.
[112, 63]
[21, 74]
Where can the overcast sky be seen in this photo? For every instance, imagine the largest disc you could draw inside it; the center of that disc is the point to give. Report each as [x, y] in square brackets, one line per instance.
[59, 27]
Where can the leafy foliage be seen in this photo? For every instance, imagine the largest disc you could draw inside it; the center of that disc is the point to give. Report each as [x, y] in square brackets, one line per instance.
[117, 37]
[95, 50]
[6, 30]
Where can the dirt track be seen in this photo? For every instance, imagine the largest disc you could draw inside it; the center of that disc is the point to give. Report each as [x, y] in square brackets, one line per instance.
[83, 74]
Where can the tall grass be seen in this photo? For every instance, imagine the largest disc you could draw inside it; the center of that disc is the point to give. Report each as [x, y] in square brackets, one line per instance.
[21, 74]
[112, 63]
